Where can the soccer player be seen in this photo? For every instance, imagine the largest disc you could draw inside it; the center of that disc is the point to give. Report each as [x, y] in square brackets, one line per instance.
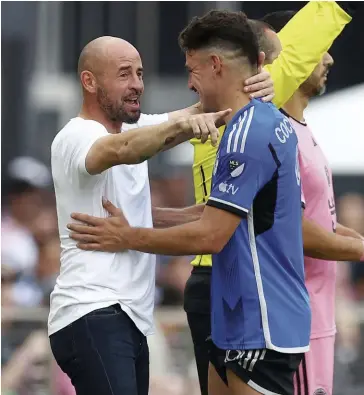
[299, 50]
[102, 305]
[251, 222]
[315, 375]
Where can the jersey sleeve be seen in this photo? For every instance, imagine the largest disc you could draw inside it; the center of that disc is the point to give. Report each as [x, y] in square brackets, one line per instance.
[305, 39]
[76, 145]
[238, 178]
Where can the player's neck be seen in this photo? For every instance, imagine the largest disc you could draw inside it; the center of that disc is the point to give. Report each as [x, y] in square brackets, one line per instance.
[235, 100]
[92, 111]
[296, 105]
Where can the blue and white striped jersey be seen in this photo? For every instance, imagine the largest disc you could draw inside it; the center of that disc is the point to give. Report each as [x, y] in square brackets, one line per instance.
[259, 298]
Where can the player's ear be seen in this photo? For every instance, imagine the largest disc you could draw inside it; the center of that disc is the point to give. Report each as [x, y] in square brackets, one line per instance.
[216, 64]
[261, 59]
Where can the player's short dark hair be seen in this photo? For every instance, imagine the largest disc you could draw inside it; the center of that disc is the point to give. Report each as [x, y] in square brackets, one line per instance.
[223, 29]
[265, 44]
[278, 19]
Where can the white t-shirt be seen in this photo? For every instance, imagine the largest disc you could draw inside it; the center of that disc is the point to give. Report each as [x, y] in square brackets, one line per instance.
[91, 280]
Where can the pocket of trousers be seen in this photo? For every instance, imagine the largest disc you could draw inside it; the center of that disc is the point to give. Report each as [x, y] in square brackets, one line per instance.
[106, 311]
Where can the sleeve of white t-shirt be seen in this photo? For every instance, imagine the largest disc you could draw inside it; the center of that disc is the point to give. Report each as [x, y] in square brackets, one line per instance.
[76, 145]
[152, 119]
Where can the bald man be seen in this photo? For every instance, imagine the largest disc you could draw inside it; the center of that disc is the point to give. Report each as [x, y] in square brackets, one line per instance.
[101, 308]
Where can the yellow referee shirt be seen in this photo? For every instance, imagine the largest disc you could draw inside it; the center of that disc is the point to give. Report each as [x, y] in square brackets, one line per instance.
[305, 39]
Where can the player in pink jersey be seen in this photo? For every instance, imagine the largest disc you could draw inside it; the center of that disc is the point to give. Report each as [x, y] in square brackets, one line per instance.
[325, 241]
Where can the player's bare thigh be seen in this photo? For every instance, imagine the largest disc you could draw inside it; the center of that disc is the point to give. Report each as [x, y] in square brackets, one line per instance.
[236, 385]
[216, 386]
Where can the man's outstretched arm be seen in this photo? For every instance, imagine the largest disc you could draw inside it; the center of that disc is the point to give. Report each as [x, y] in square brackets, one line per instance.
[138, 145]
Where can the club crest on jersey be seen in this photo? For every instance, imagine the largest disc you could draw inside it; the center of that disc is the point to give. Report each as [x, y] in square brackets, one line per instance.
[233, 164]
[320, 391]
[236, 168]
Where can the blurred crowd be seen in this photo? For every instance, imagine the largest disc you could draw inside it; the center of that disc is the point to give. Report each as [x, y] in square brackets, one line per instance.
[30, 264]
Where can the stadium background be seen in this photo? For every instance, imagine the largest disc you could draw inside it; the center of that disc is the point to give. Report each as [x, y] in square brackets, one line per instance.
[40, 44]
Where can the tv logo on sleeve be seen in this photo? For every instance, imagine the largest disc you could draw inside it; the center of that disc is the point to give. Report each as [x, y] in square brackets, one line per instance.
[228, 188]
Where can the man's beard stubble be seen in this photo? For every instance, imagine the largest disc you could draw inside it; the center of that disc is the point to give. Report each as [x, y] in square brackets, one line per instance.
[115, 112]
[312, 87]
[312, 90]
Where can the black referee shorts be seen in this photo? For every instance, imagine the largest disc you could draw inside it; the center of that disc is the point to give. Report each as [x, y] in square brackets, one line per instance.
[197, 307]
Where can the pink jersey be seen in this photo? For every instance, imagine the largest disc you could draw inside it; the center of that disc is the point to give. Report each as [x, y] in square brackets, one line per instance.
[318, 193]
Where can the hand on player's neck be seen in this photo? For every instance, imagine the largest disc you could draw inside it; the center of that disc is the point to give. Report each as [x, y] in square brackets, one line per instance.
[296, 105]
[95, 113]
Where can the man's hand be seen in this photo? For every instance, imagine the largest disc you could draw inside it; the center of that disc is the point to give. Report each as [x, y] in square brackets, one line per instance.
[260, 85]
[101, 234]
[206, 124]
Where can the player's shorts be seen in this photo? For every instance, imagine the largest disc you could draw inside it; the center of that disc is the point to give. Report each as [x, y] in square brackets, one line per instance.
[266, 371]
[315, 375]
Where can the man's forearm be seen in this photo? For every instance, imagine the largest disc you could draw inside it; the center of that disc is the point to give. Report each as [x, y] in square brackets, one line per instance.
[135, 146]
[188, 239]
[145, 142]
[344, 231]
[166, 217]
[176, 115]
[321, 244]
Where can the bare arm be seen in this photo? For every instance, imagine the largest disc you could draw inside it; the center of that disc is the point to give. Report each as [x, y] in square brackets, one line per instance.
[345, 231]
[134, 146]
[178, 114]
[205, 236]
[167, 217]
[321, 244]
[138, 145]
